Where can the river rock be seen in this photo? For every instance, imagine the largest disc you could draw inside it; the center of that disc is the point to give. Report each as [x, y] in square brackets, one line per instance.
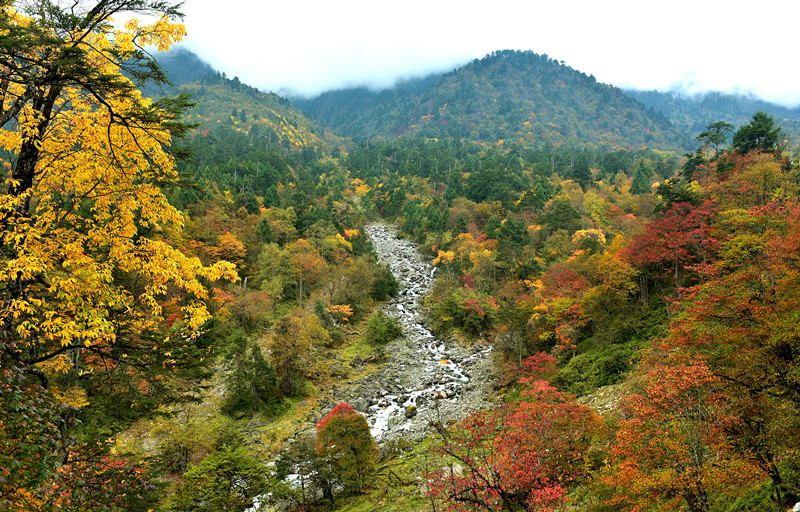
[395, 421]
[412, 372]
[359, 404]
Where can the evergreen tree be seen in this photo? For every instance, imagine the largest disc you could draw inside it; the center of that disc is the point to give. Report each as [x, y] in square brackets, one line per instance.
[716, 134]
[761, 133]
[461, 225]
[252, 384]
[581, 172]
[641, 183]
[642, 176]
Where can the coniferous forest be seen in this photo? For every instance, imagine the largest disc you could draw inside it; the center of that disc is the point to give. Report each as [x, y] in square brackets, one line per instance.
[205, 289]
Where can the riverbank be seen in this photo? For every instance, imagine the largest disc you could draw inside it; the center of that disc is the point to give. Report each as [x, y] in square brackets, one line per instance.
[424, 380]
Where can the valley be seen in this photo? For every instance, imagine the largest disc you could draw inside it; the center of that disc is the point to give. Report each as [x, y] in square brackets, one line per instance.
[508, 286]
[425, 380]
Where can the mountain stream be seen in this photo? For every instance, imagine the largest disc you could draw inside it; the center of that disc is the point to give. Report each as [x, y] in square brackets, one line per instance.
[425, 379]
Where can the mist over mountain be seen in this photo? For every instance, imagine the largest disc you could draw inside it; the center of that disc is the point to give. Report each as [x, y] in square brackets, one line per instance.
[228, 102]
[691, 113]
[507, 97]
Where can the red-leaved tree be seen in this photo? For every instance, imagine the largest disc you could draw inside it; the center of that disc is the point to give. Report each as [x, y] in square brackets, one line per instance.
[672, 448]
[344, 441]
[679, 238]
[520, 456]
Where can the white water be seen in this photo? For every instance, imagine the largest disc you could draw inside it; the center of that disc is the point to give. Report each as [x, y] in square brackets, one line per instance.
[431, 357]
[415, 277]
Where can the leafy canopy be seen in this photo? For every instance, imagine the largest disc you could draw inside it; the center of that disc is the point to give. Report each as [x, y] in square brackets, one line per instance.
[89, 264]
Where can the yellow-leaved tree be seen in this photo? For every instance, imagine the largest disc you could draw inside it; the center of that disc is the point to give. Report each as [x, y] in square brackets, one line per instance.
[90, 283]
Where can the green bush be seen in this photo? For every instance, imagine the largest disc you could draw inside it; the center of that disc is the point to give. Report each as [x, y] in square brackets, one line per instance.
[385, 284]
[227, 479]
[251, 382]
[175, 453]
[473, 312]
[344, 441]
[593, 369]
[382, 329]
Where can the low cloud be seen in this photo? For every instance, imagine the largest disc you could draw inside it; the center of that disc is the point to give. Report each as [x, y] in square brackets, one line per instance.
[310, 46]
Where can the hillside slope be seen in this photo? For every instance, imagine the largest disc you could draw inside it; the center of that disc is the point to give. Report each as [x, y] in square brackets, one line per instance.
[227, 101]
[692, 114]
[508, 97]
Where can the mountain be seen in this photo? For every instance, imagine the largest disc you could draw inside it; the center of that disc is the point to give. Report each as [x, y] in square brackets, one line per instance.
[508, 97]
[223, 101]
[183, 66]
[693, 113]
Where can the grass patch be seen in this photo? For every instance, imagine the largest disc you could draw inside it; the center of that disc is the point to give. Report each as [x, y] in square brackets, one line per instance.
[357, 346]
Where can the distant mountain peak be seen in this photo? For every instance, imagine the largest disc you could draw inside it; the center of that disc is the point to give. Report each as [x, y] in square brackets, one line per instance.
[508, 97]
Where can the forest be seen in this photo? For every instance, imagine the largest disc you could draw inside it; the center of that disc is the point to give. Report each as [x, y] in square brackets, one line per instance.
[189, 291]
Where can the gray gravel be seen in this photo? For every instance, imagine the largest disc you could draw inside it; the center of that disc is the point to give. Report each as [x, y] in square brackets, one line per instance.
[425, 379]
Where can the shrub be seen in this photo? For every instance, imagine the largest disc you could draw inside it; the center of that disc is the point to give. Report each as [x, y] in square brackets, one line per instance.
[382, 329]
[474, 312]
[344, 440]
[385, 284]
[227, 479]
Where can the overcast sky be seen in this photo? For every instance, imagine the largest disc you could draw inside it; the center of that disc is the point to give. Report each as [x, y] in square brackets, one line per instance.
[309, 46]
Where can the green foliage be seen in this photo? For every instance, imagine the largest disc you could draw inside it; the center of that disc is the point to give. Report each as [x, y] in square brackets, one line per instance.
[385, 284]
[700, 113]
[188, 438]
[560, 214]
[264, 231]
[593, 369]
[642, 176]
[676, 191]
[470, 311]
[641, 183]
[758, 498]
[295, 340]
[716, 134]
[250, 381]
[227, 479]
[274, 271]
[382, 329]
[31, 429]
[761, 133]
[506, 97]
[175, 453]
[581, 172]
[344, 441]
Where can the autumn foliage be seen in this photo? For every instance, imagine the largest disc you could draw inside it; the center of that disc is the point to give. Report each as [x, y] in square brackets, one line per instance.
[518, 456]
[672, 447]
[90, 266]
[718, 414]
[345, 442]
[123, 291]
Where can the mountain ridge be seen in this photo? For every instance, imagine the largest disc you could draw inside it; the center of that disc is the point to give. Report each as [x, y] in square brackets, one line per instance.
[505, 98]
[510, 96]
[692, 113]
[229, 102]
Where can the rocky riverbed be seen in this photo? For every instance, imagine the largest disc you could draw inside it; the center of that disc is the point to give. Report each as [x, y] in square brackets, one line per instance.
[425, 379]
